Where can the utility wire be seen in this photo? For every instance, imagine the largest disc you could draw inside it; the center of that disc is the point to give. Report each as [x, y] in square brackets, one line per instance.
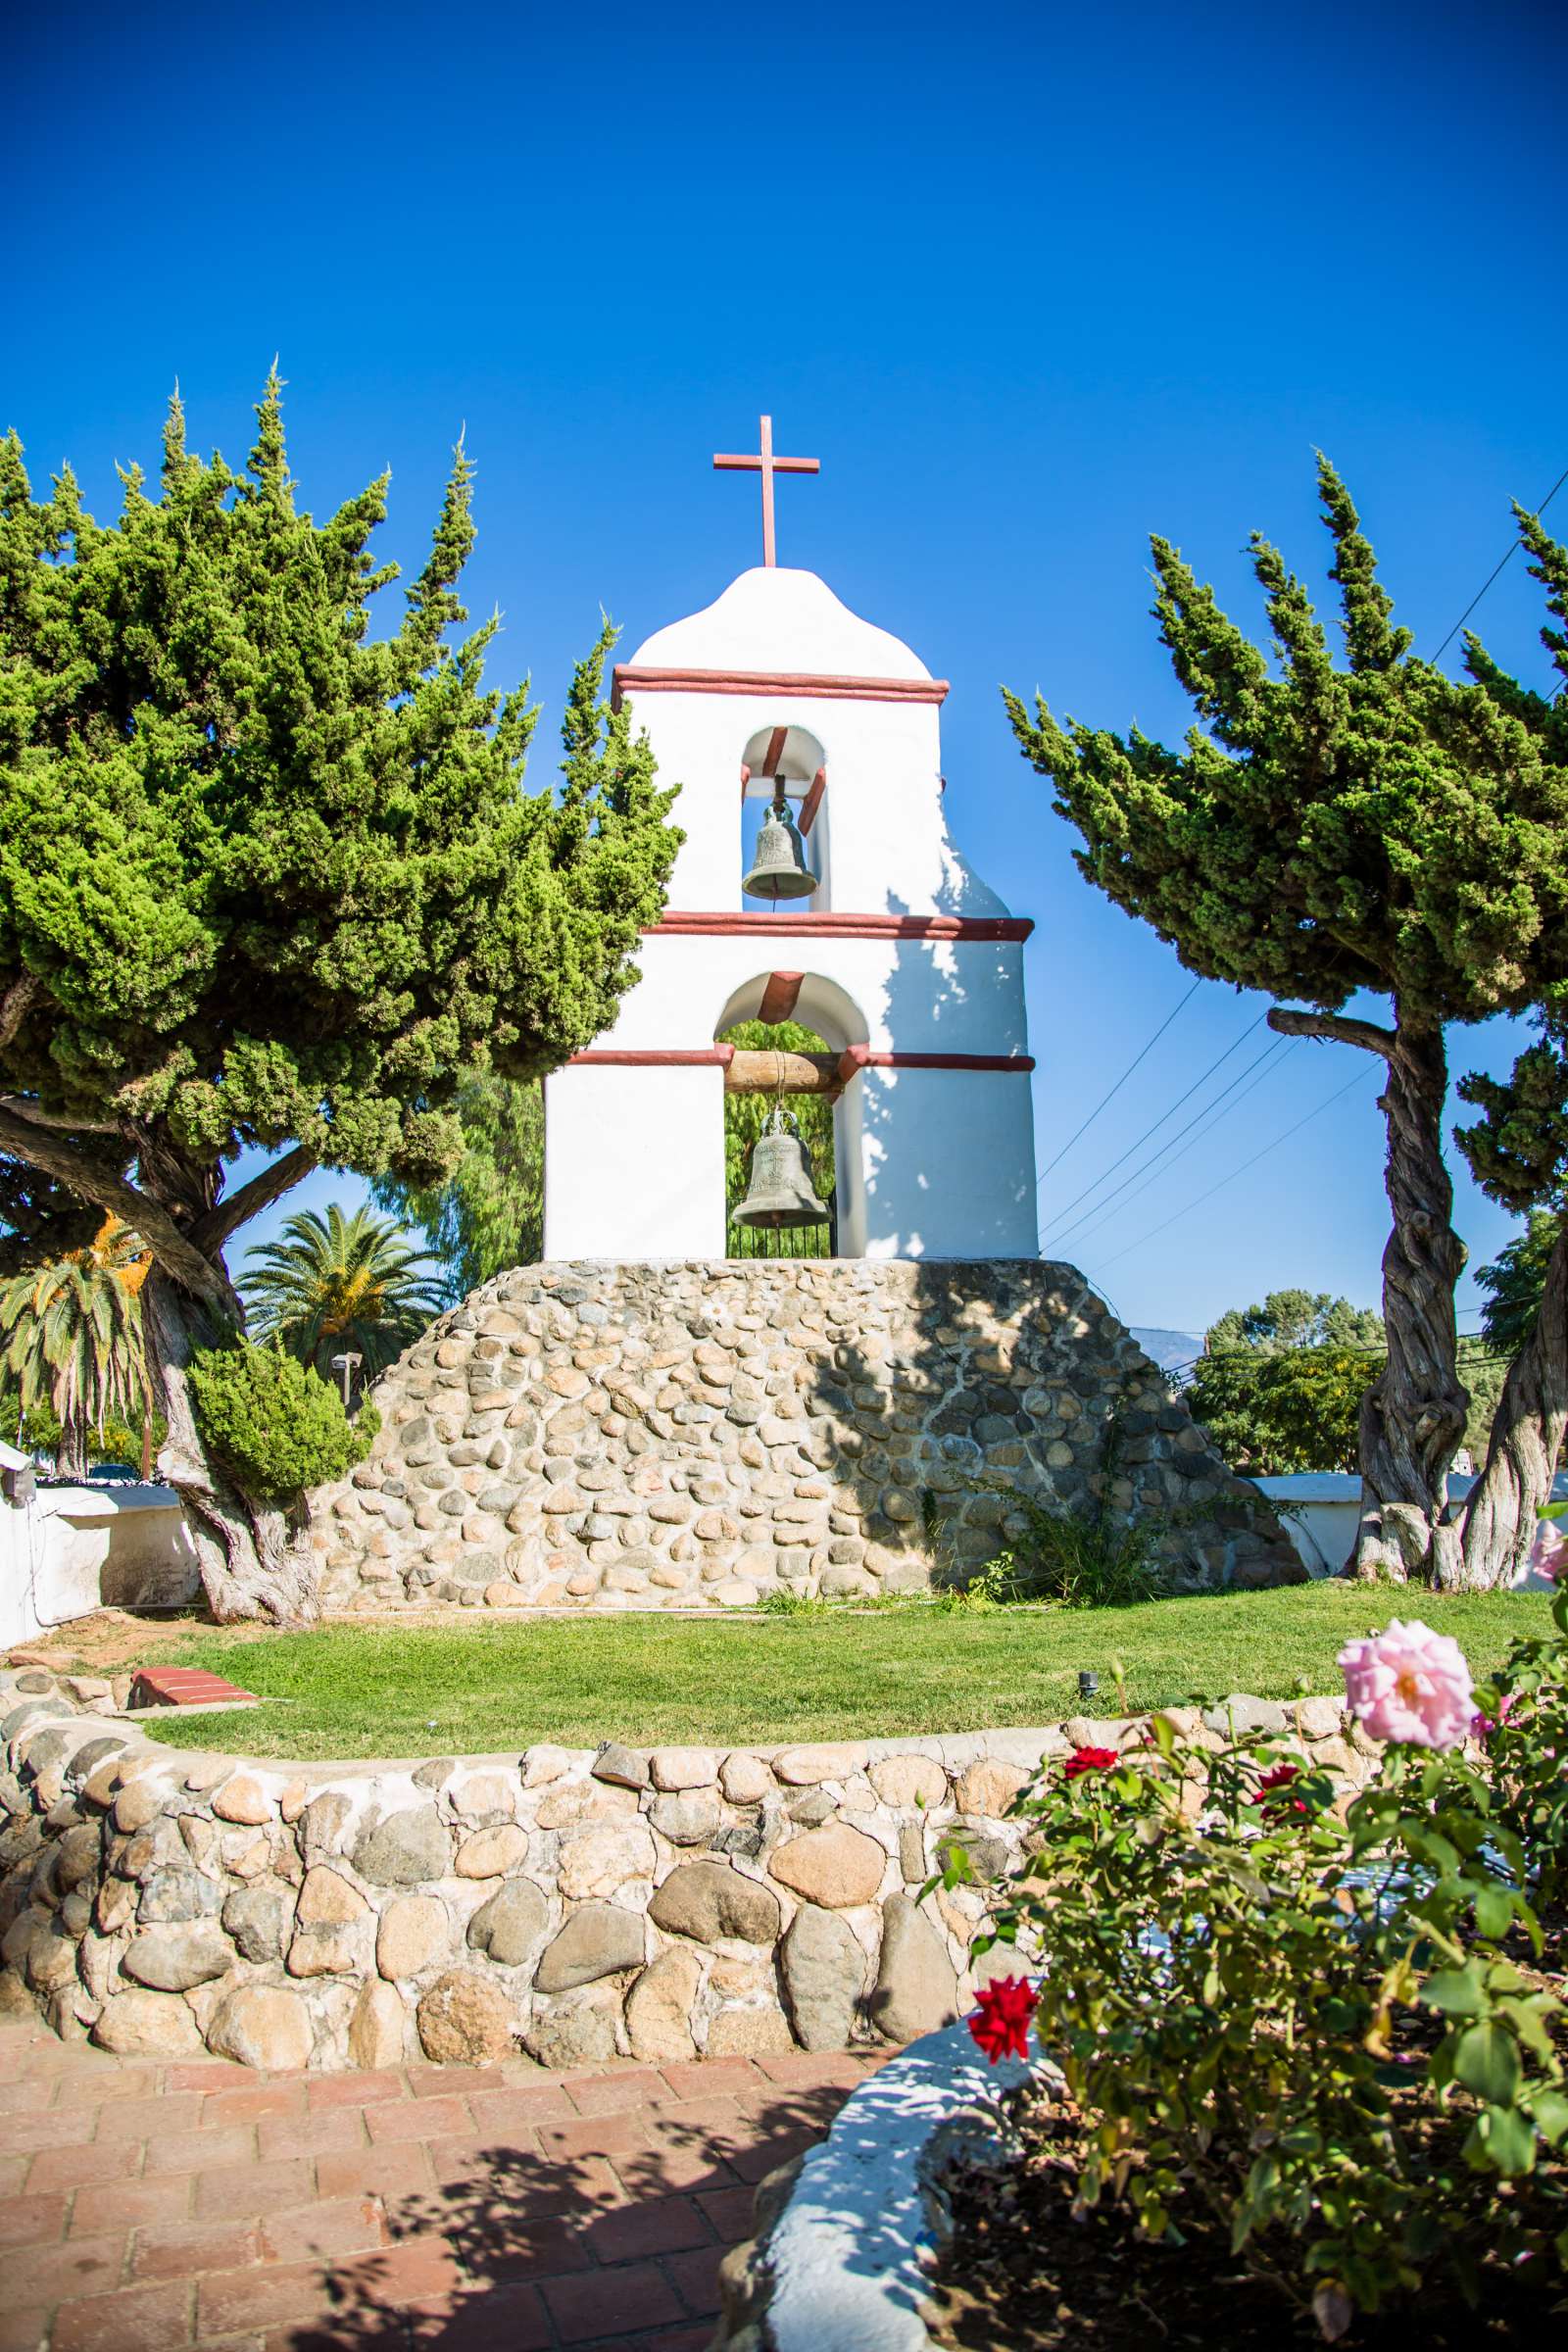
[1160, 1149]
[1121, 1081]
[1201, 1198]
[1266, 1063]
[1138, 1142]
[1513, 547]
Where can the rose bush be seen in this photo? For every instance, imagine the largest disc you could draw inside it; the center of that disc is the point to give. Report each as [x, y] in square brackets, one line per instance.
[1318, 2018]
[1523, 1720]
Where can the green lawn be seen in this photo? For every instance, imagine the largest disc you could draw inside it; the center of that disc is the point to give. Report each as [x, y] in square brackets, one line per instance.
[395, 1689]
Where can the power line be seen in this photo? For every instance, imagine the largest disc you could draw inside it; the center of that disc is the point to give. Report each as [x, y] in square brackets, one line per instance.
[1057, 1226]
[1513, 546]
[1139, 1141]
[1241, 1170]
[1266, 1063]
[1120, 1083]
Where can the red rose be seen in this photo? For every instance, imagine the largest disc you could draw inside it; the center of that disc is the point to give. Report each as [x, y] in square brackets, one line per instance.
[1089, 1759]
[1269, 1796]
[1001, 2023]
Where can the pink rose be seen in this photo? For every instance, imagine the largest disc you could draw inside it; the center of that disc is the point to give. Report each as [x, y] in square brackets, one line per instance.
[1410, 1685]
[1549, 1553]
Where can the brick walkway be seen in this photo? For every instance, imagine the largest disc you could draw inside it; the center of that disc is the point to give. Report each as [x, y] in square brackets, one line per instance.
[149, 2206]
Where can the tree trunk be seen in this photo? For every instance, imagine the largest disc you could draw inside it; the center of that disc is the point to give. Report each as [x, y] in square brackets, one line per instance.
[1527, 1435]
[254, 1562]
[1413, 1416]
[71, 1454]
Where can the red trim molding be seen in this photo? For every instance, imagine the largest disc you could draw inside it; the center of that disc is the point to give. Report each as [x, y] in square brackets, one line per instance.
[680, 923]
[853, 1059]
[629, 679]
[780, 997]
[862, 1057]
[717, 1058]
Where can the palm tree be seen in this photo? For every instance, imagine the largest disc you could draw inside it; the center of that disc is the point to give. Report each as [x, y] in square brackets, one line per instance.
[72, 1339]
[341, 1286]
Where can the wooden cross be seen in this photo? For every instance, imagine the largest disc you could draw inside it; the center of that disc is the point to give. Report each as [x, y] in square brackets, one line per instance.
[766, 465]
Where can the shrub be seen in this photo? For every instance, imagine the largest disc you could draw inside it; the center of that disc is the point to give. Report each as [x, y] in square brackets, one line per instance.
[1080, 1563]
[274, 1423]
[1524, 1720]
[1318, 2022]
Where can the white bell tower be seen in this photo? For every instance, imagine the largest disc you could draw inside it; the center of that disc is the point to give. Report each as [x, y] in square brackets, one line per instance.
[901, 961]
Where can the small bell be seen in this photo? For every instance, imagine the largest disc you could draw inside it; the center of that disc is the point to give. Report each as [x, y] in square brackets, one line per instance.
[780, 869]
[782, 1191]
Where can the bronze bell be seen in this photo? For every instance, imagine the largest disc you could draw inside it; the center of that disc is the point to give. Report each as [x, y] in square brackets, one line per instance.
[780, 869]
[782, 1190]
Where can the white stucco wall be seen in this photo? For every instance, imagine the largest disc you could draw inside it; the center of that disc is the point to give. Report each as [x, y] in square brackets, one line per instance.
[74, 1550]
[949, 1161]
[1320, 1510]
[634, 1162]
[931, 1162]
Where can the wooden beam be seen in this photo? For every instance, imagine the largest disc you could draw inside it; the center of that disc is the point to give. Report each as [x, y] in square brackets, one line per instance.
[774, 756]
[812, 801]
[780, 997]
[754, 1071]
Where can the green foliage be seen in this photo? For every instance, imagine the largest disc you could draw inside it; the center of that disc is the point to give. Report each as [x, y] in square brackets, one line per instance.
[337, 1284]
[1296, 1319]
[1314, 2027]
[1526, 1709]
[1515, 1281]
[70, 1340]
[276, 1427]
[489, 1214]
[1279, 1385]
[1274, 1413]
[118, 1440]
[268, 879]
[744, 1114]
[1077, 1563]
[1327, 830]
[1484, 1368]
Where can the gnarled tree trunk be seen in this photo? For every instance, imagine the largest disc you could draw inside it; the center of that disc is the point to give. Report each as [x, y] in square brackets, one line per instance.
[1527, 1435]
[254, 1561]
[1413, 1415]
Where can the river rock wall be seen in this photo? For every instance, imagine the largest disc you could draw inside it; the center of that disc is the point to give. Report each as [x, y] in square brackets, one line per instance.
[699, 1435]
[575, 1904]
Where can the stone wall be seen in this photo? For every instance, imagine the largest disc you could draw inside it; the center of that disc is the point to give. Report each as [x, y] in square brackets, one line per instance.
[581, 1905]
[698, 1434]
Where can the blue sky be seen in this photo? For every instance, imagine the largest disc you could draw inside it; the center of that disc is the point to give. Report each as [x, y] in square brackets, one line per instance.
[1030, 282]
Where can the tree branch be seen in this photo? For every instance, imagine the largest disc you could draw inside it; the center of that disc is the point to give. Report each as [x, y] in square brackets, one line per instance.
[280, 1176]
[181, 1260]
[15, 1005]
[25, 1108]
[1331, 1025]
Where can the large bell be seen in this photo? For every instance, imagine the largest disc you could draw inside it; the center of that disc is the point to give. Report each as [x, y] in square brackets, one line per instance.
[780, 869]
[782, 1191]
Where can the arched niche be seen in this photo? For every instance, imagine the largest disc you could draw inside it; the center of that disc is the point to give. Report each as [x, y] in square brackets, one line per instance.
[818, 1004]
[796, 759]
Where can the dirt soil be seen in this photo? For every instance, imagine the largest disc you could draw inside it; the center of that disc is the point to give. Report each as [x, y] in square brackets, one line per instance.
[1021, 2275]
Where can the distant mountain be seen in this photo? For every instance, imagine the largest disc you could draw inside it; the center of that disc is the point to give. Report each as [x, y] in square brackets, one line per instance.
[1169, 1349]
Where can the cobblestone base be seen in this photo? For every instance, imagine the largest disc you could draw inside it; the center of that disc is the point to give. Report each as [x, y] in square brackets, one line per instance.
[702, 1433]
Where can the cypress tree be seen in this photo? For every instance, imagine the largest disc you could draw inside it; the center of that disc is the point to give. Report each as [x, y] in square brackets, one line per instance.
[1327, 830]
[266, 880]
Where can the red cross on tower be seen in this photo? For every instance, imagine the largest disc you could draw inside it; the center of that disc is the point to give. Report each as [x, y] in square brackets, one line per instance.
[766, 465]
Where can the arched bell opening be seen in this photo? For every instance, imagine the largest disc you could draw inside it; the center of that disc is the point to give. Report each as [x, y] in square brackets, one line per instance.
[789, 1031]
[784, 828]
